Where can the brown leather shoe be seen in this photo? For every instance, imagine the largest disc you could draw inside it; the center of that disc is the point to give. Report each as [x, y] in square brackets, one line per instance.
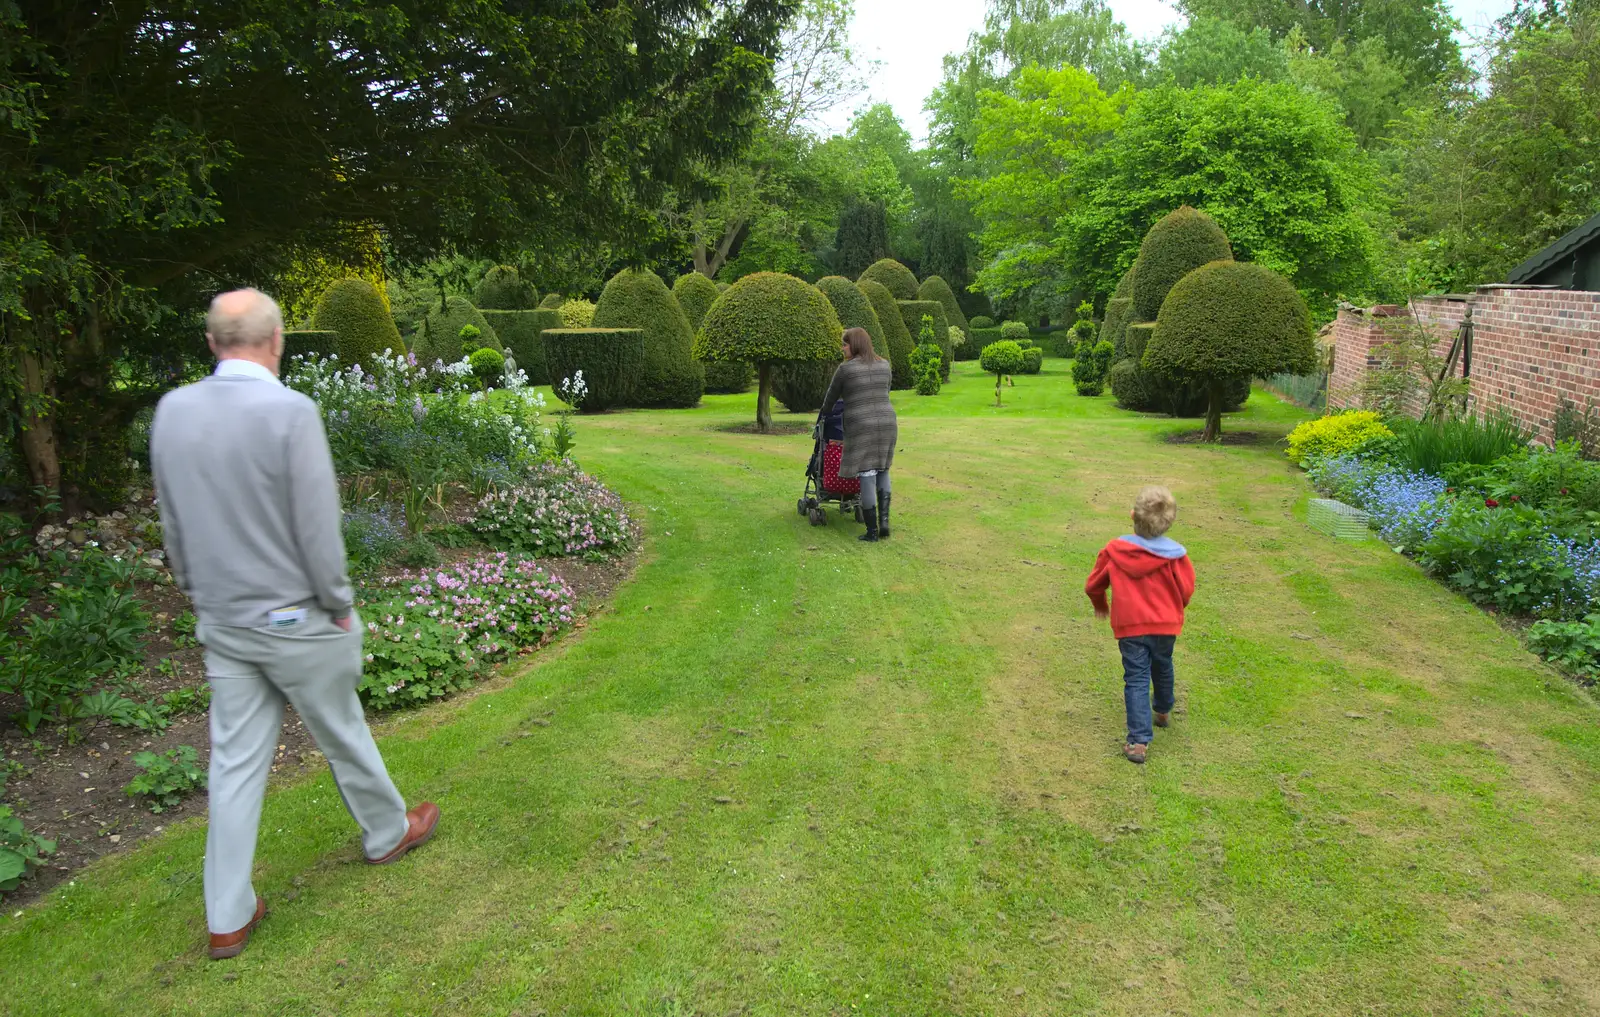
[1134, 753]
[1163, 719]
[420, 823]
[231, 944]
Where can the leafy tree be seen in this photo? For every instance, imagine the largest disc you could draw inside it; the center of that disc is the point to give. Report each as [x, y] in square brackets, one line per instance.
[862, 239]
[1213, 51]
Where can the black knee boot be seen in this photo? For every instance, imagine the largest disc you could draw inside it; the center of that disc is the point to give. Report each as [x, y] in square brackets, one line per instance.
[883, 513]
[870, 517]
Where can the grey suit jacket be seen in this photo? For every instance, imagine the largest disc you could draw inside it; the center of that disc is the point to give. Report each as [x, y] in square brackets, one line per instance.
[249, 501]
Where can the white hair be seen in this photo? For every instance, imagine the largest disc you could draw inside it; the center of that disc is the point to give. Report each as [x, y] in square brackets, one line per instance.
[242, 318]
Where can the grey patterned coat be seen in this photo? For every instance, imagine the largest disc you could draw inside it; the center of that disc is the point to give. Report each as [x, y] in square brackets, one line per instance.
[870, 426]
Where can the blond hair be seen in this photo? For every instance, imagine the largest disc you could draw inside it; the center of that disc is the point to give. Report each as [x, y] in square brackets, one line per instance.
[1154, 511]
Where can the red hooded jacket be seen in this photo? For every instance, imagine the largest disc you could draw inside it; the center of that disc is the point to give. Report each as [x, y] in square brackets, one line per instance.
[1151, 581]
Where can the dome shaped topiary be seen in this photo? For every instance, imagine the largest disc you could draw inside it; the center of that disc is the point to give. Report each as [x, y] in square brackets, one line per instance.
[637, 298]
[895, 334]
[981, 321]
[894, 277]
[935, 288]
[768, 318]
[1000, 359]
[696, 294]
[440, 337]
[854, 309]
[1016, 331]
[354, 309]
[1226, 321]
[577, 313]
[1179, 243]
[503, 289]
[488, 365]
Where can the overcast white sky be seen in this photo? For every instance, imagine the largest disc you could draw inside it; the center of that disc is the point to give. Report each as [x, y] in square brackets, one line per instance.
[911, 37]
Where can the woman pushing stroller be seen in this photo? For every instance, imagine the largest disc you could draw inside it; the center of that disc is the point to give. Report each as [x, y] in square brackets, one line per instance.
[870, 426]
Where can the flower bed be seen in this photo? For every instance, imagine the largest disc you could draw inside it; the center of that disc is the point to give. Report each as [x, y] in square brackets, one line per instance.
[555, 509]
[432, 632]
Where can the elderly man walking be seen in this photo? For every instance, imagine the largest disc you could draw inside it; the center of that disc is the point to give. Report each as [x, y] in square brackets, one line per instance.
[251, 519]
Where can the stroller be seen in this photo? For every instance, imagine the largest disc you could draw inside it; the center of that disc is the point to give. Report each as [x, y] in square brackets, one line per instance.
[823, 483]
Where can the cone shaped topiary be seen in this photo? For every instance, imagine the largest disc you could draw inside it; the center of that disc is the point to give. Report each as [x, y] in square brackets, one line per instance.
[935, 288]
[765, 319]
[696, 293]
[894, 277]
[912, 312]
[1227, 321]
[355, 310]
[440, 337]
[552, 301]
[896, 336]
[854, 310]
[503, 289]
[637, 298]
[519, 333]
[1179, 243]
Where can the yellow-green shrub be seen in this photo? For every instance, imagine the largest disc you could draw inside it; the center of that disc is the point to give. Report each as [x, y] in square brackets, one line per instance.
[1335, 435]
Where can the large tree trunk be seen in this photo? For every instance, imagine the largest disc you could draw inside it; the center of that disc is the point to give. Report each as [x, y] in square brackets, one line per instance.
[37, 441]
[1213, 430]
[764, 397]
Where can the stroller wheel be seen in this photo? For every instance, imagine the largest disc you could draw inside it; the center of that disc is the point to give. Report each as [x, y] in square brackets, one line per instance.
[819, 517]
[800, 506]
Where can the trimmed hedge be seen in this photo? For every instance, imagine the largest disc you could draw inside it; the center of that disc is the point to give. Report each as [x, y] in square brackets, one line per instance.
[1032, 360]
[695, 294]
[896, 335]
[354, 309]
[981, 321]
[552, 301]
[1131, 386]
[310, 341]
[935, 288]
[1114, 328]
[519, 335]
[439, 338]
[892, 276]
[912, 311]
[503, 289]
[1179, 243]
[854, 310]
[1231, 319]
[1137, 339]
[610, 359]
[801, 386]
[981, 337]
[670, 377]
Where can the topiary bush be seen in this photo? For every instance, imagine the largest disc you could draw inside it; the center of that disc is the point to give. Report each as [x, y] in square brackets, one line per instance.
[1227, 321]
[488, 366]
[766, 319]
[519, 334]
[670, 377]
[1001, 359]
[1015, 331]
[1114, 328]
[439, 338]
[695, 294]
[854, 310]
[800, 386]
[552, 301]
[503, 289]
[912, 312]
[577, 313]
[892, 276]
[925, 362]
[1130, 386]
[1180, 242]
[1090, 364]
[1156, 392]
[595, 366]
[981, 321]
[1032, 360]
[310, 342]
[896, 336]
[1337, 434]
[354, 309]
[935, 288]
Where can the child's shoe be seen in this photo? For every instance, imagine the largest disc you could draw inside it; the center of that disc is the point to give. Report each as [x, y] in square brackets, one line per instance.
[1135, 753]
[1162, 719]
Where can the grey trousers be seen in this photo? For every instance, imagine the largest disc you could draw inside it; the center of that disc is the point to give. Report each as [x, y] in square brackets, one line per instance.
[315, 665]
[870, 486]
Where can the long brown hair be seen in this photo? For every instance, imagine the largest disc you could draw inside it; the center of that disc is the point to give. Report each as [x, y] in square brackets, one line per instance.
[860, 343]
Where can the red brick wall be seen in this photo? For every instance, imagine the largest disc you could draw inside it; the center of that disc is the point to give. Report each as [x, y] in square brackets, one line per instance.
[1530, 349]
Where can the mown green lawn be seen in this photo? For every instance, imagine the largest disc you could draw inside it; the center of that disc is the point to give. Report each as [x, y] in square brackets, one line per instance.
[788, 773]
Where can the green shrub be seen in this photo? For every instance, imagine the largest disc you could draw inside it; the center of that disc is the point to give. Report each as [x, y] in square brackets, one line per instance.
[1001, 359]
[1179, 243]
[958, 340]
[723, 287]
[552, 301]
[892, 276]
[20, 850]
[1090, 365]
[488, 366]
[577, 313]
[439, 338]
[925, 361]
[1228, 321]
[519, 336]
[769, 318]
[1337, 434]
[1015, 331]
[1136, 339]
[981, 321]
[1133, 389]
[896, 336]
[310, 342]
[935, 288]
[912, 312]
[354, 309]
[800, 386]
[1573, 646]
[609, 359]
[695, 294]
[166, 778]
[1114, 329]
[854, 310]
[1032, 360]
[503, 289]
[728, 377]
[670, 376]
[1434, 445]
[1556, 479]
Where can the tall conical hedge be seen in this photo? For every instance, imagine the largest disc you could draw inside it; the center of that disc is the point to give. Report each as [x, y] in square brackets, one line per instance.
[439, 338]
[854, 310]
[935, 288]
[504, 289]
[637, 298]
[1179, 243]
[895, 334]
[894, 277]
[354, 309]
[519, 333]
[696, 293]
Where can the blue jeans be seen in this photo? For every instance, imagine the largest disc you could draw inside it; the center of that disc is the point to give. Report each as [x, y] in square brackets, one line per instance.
[1146, 660]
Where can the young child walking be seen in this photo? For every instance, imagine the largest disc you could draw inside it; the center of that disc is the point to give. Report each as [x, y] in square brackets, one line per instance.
[1151, 581]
